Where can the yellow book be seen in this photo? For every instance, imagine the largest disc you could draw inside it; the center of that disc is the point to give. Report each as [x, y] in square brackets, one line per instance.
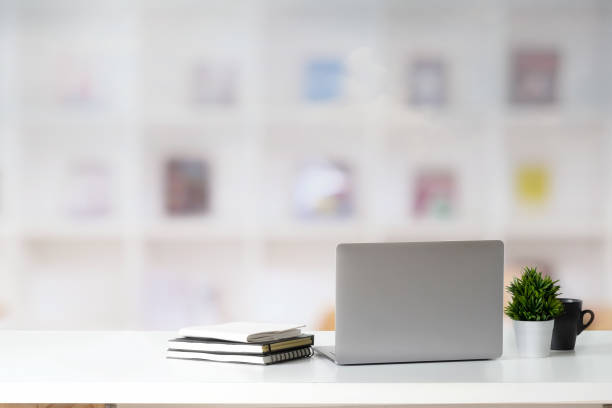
[532, 184]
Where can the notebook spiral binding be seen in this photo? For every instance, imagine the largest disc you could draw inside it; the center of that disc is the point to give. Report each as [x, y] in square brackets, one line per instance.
[292, 355]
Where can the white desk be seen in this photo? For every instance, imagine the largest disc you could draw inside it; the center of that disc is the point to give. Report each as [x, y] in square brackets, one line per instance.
[129, 367]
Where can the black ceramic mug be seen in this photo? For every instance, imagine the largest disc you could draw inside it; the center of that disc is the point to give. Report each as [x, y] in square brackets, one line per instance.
[570, 324]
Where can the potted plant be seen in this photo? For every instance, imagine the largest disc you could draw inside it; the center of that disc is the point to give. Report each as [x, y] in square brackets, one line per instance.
[533, 308]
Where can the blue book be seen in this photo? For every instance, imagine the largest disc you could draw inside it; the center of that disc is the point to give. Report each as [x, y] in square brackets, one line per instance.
[323, 80]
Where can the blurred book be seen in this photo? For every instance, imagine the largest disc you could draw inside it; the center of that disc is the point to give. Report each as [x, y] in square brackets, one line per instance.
[215, 83]
[532, 184]
[88, 189]
[323, 189]
[187, 186]
[81, 82]
[434, 194]
[427, 82]
[323, 79]
[534, 79]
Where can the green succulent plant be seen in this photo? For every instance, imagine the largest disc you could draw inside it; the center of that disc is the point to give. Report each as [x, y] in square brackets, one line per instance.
[534, 297]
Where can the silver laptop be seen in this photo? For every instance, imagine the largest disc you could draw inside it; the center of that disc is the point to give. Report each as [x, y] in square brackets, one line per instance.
[418, 301]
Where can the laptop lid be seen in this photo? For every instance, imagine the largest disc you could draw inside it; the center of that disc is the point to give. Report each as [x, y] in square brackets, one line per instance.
[419, 301]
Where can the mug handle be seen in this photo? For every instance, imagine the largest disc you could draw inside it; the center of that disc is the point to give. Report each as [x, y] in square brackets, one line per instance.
[582, 325]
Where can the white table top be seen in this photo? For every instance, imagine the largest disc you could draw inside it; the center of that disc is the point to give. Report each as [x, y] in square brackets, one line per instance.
[130, 367]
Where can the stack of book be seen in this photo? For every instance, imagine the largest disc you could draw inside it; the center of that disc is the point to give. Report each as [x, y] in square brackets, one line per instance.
[242, 342]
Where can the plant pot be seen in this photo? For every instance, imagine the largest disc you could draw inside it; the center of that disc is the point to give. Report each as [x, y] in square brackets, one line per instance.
[533, 337]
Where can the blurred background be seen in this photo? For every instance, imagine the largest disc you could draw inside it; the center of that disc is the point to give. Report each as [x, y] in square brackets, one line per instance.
[165, 163]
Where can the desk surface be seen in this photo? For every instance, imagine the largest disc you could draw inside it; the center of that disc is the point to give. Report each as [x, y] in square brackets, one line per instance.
[130, 367]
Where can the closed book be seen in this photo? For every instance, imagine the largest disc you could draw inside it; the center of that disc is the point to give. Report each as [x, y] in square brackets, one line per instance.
[247, 332]
[242, 358]
[222, 346]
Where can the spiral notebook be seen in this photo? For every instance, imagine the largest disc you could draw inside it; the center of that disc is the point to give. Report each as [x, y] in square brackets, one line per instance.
[242, 358]
[227, 347]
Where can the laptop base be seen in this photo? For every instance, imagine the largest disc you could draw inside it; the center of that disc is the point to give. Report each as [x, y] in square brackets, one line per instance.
[328, 352]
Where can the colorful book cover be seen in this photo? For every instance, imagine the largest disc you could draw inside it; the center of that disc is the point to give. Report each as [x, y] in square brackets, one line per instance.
[532, 184]
[215, 83]
[88, 188]
[323, 80]
[427, 82]
[187, 187]
[534, 78]
[323, 189]
[434, 194]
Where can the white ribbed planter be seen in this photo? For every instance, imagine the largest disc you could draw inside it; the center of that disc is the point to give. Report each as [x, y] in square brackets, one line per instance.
[533, 338]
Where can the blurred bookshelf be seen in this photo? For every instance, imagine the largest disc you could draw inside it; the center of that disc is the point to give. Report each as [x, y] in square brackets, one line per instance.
[165, 163]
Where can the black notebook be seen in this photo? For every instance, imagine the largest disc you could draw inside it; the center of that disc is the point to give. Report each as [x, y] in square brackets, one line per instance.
[271, 358]
[224, 346]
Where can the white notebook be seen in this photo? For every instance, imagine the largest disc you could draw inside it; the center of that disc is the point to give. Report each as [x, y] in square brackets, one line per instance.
[245, 332]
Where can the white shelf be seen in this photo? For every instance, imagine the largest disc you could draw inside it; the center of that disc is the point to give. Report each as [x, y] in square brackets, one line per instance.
[408, 117]
[197, 117]
[553, 117]
[313, 114]
[434, 230]
[85, 230]
[79, 117]
[193, 229]
[319, 230]
[258, 138]
[347, 230]
[555, 230]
